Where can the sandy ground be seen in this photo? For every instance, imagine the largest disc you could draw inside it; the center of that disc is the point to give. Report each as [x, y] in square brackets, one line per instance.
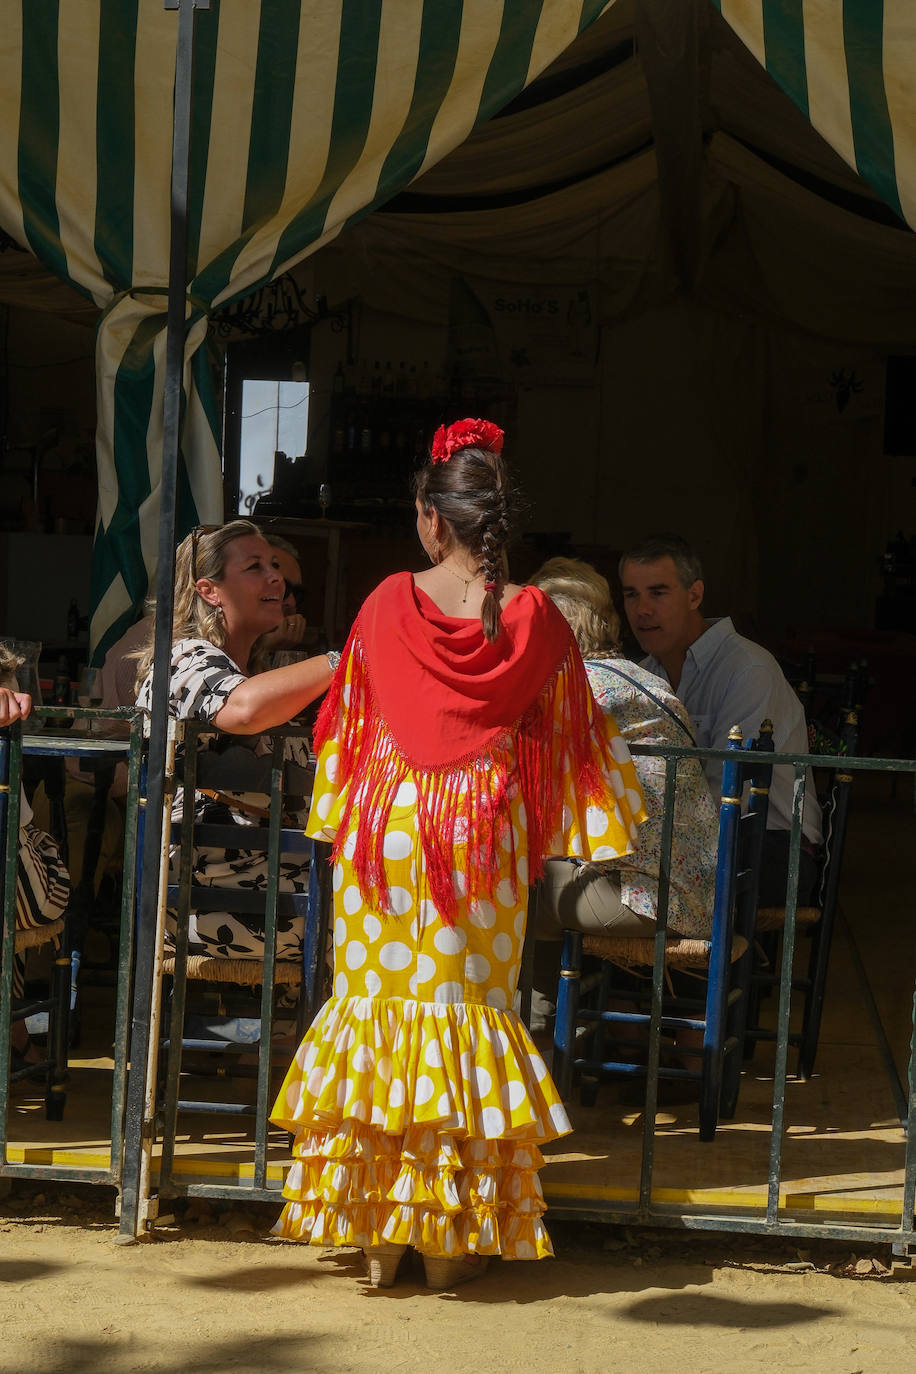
[214, 1293]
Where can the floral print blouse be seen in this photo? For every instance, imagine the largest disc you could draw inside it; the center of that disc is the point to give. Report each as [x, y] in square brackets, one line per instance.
[696, 826]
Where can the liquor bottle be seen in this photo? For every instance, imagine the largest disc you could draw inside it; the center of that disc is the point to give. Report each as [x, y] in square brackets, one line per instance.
[365, 433]
[73, 621]
[60, 695]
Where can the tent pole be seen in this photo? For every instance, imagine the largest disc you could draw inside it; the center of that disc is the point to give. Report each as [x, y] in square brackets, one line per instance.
[138, 1127]
[670, 39]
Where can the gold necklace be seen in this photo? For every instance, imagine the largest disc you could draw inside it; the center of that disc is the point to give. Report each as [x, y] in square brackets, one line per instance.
[466, 580]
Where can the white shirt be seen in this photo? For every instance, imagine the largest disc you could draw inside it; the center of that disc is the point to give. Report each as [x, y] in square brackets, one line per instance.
[729, 680]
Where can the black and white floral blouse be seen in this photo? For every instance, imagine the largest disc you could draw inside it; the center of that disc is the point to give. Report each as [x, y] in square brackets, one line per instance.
[202, 679]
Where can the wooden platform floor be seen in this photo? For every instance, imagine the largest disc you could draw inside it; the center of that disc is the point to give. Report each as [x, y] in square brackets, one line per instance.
[844, 1147]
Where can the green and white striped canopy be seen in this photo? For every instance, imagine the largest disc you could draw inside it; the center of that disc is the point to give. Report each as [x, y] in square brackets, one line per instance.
[307, 115]
[850, 67]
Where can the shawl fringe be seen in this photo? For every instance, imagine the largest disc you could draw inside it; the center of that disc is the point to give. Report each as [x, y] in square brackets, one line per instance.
[462, 801]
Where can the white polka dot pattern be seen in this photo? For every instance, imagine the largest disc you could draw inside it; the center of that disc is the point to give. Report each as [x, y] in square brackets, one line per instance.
[417, 1100]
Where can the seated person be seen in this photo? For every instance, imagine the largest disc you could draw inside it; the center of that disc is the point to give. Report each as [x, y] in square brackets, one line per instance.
[118, 673]
[723, 680]
[621, 895]
[289, 636]
[42, 884]
[229, 593]
[118, 687]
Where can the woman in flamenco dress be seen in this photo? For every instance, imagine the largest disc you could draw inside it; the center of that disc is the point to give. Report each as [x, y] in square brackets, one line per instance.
[458, 746]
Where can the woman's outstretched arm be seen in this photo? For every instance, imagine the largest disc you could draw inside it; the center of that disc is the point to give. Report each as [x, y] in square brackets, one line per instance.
[269, 699]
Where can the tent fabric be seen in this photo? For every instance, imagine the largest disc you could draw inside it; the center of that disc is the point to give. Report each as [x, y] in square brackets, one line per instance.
[788, 232]
[310, 113]
[849, 68]
[307, 114]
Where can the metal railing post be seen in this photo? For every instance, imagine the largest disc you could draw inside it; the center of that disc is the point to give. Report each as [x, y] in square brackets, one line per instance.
[137, 1127]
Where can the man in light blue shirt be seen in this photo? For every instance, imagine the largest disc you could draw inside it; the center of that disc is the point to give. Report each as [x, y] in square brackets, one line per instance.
[723, 679]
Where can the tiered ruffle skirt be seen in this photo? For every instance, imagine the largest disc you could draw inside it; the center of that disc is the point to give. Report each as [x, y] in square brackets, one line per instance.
[418, 1123]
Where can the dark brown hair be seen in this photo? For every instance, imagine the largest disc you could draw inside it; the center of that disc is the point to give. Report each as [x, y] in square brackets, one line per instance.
[673, 546]
[473, 495]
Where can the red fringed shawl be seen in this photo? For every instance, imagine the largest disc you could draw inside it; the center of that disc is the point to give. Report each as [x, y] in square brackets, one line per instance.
[433, 702]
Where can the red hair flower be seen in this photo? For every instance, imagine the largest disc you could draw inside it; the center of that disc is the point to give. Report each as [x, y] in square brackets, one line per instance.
[466, 434]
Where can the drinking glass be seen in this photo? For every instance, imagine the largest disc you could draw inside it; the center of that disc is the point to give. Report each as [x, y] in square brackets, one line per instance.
[89, 690]
[29, 650]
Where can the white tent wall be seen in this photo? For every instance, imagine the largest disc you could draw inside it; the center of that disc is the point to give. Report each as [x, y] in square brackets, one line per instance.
[824, 495]
[683, 396]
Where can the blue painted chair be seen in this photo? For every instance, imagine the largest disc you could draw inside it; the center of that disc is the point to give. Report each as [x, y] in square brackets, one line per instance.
[723, 961]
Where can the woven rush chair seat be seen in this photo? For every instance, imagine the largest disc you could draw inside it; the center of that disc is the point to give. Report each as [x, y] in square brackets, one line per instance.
[33, 936]
[248, 972]
[639, 951]
[774, 917]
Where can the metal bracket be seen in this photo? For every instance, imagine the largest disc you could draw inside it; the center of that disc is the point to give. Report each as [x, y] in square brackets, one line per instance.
[176, 4]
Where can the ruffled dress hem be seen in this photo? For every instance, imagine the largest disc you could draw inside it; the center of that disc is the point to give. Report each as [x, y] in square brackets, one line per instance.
[418, 1124]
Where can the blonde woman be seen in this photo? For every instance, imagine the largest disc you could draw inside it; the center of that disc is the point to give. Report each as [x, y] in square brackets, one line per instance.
[229, 593]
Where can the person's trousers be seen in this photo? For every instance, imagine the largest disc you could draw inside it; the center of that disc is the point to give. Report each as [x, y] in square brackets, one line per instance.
[574, 896]
[582, 897]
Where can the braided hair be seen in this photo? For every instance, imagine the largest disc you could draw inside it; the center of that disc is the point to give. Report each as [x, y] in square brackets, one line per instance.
[473, 495]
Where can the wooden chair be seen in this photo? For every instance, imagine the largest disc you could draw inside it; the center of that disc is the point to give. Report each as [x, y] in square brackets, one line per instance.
[723, 961]
[816, 921]
[313, 905]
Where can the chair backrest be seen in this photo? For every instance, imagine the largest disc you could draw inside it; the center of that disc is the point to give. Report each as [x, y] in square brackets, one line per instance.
[835, 816]
[758, 774]
[805, 685]
[738, 863]
[236, 769]
[741, 832]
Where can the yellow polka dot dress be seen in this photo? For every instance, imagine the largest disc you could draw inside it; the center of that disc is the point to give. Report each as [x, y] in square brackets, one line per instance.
[418, 1099]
